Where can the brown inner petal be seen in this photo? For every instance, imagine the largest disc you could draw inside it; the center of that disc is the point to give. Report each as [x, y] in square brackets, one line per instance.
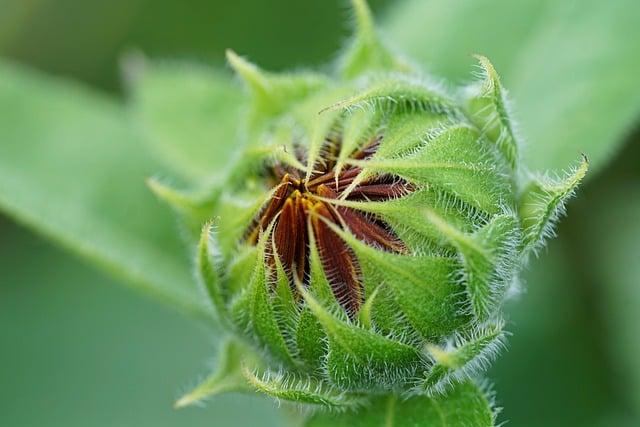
[294, 202]
[338, 261]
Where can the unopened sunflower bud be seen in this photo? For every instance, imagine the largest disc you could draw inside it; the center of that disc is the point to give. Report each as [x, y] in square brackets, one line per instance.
[371, 228]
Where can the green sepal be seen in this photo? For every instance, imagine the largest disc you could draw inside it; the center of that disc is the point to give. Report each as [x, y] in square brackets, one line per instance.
[542, 203]
[405, 132]
[311, 340]
[272, 94]
[456, 160]
[316, 130]
[284, 304]
[405, 215]
[359, 127]
[463, 356]
[240, 270]
[365, 315]
[399, 94]
[305, 391]
[194, 208]
[227, 376]
[359, 359]
[488, 257]
[386, 315]
[367, 52]
[208, 272]
[487, 108]
[423, 287]
[467, 405]
[264, 325]
[236, 213]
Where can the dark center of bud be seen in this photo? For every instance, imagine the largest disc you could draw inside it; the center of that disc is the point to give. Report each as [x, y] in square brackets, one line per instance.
[305, 205]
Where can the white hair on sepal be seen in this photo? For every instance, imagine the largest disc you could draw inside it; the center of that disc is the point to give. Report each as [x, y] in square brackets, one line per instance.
[547, 195]
[305, 392]
[484, 343]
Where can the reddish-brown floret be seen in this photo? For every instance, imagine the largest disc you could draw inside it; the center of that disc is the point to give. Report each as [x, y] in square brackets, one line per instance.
[300, 206]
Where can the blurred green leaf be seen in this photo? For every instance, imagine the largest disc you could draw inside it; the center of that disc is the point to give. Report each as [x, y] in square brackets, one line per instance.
[78, 350]
[188, 113]
[554, 358]
[571, 67]
[465, 405]
[614, 257]
[73, 169]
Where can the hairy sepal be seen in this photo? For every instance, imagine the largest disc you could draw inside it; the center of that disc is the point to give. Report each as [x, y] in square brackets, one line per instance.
[489, 259]
[208, 271]
[457, 161]
[399, 93]
[542, 203]
[359, 359]
[367, 51]
[467, 404]
[308, 393]
[272, 94]
[462, 356]
[487, 107]
[255, 309]
[422, 286]
[193, 208]
[227, 377]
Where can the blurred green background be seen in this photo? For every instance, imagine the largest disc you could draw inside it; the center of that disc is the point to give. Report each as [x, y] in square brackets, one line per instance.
[78, 349]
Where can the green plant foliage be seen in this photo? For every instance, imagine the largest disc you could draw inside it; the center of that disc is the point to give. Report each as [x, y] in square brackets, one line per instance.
[466, 405]
[567, 65]
[72, 168]
[356, 231]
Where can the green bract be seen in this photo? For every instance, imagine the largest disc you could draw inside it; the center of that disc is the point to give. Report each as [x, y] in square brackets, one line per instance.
[373, 222]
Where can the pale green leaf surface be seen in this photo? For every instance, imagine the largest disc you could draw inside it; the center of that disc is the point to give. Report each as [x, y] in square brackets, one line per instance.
[464, 406]
[189, 116]
[570, 66]
[552, 325]
[72, 169]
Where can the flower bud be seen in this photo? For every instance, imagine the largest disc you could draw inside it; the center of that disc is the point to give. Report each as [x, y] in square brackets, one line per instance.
[371, 227]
